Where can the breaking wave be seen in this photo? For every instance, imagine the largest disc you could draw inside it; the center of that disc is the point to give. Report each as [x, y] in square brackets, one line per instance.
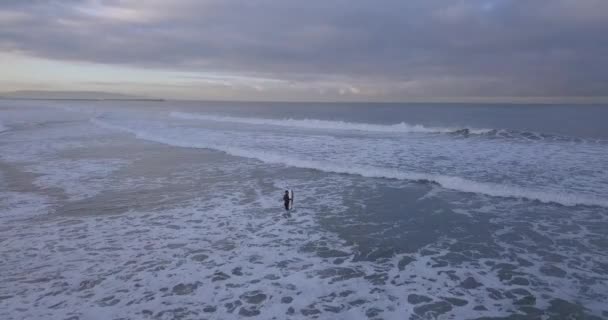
[393, 128]
[530, 136]
[447, 182]
[327, 124]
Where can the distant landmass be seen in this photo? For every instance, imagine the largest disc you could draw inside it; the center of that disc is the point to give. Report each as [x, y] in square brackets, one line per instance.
[71, 95]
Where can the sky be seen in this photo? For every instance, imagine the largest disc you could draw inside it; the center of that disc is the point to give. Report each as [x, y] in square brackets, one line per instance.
[312, 50]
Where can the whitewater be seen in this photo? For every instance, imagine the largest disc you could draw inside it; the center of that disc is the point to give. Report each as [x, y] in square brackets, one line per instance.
[449, 182]
[172, 210]
[325, 124]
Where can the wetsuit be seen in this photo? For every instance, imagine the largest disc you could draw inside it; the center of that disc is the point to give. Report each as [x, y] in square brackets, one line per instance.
[286, 201]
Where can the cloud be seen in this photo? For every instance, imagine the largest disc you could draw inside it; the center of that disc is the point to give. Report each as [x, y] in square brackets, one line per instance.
[395, 48]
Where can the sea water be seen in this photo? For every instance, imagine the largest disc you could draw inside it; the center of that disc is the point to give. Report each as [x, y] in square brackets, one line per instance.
[173, 210]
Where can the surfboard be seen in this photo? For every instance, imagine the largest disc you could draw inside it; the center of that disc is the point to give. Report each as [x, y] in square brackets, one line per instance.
[290, 199]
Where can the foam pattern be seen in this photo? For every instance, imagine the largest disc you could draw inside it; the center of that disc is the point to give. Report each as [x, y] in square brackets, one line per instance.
[135, 215]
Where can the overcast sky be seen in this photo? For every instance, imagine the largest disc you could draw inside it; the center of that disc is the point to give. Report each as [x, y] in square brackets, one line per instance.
[395, 50]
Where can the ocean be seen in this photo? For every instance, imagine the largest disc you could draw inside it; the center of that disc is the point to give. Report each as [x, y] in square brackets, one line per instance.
[173, 210]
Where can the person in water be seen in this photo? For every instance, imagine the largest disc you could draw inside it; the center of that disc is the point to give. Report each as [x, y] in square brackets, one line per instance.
[286, 200]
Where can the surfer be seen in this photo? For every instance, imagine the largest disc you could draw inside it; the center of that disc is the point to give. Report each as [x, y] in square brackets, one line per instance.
[286, 200]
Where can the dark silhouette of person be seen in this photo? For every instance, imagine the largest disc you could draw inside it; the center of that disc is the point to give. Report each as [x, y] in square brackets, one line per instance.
[286, 200]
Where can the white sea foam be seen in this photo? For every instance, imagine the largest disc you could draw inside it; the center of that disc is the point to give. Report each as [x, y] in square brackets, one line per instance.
[217, 237]
[79, 179]
[227, 240]
[325, 124]
[39, 149]
[447, 182]
[210, 252]
[22, 205]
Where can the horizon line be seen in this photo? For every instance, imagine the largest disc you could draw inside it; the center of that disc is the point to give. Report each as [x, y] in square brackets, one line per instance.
[586, 100]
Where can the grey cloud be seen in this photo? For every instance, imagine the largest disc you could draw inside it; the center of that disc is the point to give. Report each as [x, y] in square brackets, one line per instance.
[425, 47]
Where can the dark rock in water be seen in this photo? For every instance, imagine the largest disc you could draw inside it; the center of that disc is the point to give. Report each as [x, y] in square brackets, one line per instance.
[433, 309]
[338, 261]
[404, 262]
[520, 281]
[373, 312]
[286, 300]
[456, 301]
[183, 289]
[526, 301]
[290, 310]
[219, 276]
[249, 312]
[553, 271]
[199, 257]
[480, 308]
[253, 297]
[209, 309]
[470, 283]
[416, 299]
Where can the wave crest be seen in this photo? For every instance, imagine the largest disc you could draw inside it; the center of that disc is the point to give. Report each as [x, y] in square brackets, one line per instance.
[327, 124]
[447, 182]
